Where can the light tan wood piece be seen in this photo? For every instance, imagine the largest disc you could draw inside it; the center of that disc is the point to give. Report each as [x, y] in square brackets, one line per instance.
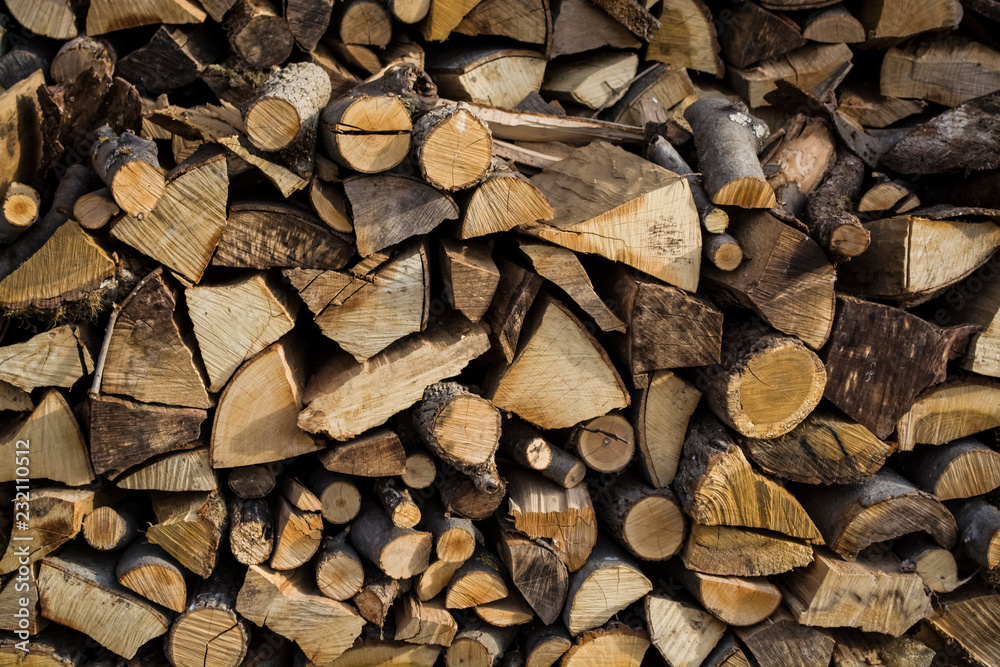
[109, 16]
[498, 77]
[833, 25]
[525, 20]
[892, 196]
[78, 589]
[273, 435]
[783, 642]
[366, 133]
[935, 564]
[53, 358]
[543, 509]
[947, 69]
[470, 276]
[507, 612]
[130, 168]
[187, 223]
[236, 319]
[959, 469]
[48, 442]
[378, 594]
[190, 527]
[55, 516]
[806, 68]
[582, 384]
[377, 453]
[595, 80]
[528, 448]
[503, 201]
[682, 632]
[339, 572]
[94, 209]
[399, 552]
[660, 430]
[20, 210]
[606, 584]
[970, 619]
[591, 219]
[479, 643]
[742, 552]
[613, 644]
[892, 22]
[337, 494]
[188, 470]
[646, 521]
[434, 579]
[424, 622]
[738, 601]
[110, 528]
[288, 604]
[420, 470]
[51, 18]
[209, 630]
[872, 595]
[452, 147]
[481, 579]
[454, 536]
[152, 573]
[686, 38]
[606, 444]
[717, 486]
[858, 649]
[535, 569]
[297, 535]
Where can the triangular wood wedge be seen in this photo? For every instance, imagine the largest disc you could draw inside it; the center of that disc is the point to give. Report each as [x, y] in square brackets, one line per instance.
[53, 358]
[50, 438]
[615, 204]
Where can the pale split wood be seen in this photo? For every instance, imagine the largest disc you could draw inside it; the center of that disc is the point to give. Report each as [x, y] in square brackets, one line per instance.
[495, 76]
[682, 632]
[55, 517]
[190, 527]
[50, 440]
[686, 38]
[615, 643]
[742, 552]
[53, 358]
[738, 601]
[108, 16]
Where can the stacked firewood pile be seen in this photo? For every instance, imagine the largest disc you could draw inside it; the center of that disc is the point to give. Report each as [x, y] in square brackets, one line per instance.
[500, 332]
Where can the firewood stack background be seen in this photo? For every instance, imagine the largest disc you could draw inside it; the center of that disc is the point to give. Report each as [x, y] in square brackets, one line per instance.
[500, 332]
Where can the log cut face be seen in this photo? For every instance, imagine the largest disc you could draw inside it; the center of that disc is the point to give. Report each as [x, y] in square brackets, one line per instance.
[611, 203]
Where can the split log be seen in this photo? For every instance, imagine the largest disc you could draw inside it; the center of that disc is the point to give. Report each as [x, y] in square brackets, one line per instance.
[772, 251]
[378, 594]
[424, 622]
[595, 80]
[208, 630]
[258, 35]
[935, 564]
[94, 209]
[338, 495]
[614, 643]
[339, 572]
[55, 516]
[174, 57]
[514, 296]
[251, 531]
[372, 649]
[480, 579]
[470, 276]
[129, 166]
[865, 106]
[126, 433]
[390, 208]
[960, 469]
[686, 38]
[968, 622]
[583, 26]
[409, 11]
[254, 481]
[429, 584]
[548, 394]
[188, 221]
[21, 205]
[190, 527]
[857, 649]
[897, 242]
[544, 647]
[607, 583]
[454, 536]
[741, 552]
[377, 453]
[499, 77]
[713, 219]
[78, 589]
[503, 201]
[148, 355]
[727, 653]
[717, 486]
[876, 508]
[887, 195]
[807, 68]
[48, 441]
[368, 134]
[287, 106]
[753, 34]
[526, 20]
[21, 114]
[480, 644]
[307, 19]
[516, 125]
[110, 528]
[880, 358]
[289, 605]
[932, 147]
[629, 509]
[535, 569]
[766, 383]
[663, 84]
[187, 470]
[361, 58]
[365, 312]
[530, 449]
[52, 18]
[872, 595]
[605, 443]
[728, 139]
[825, 448]
[947, 69]
[738, 601]
[273, 434]
[297, 535]
[452, 147]
[662, 412]
[833, 25]
[683, 633]
[831, 219]
[110, 16]
[667, 327]
[152, 573]
[399, 552]
[542, 509]
[330, 204]
[894, 21]
[590, 218]
[510, 611]
[782, 642]
[979, 538]
[235, 320]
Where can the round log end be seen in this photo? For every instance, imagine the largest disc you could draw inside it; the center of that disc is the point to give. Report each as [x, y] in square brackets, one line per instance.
[138, 186]
[849, 240]
[420, 471]
[407, 555]
[272, 123]
[654, 528]
[746, 192]
[456, 153]
[606, 444]
[341, 502]
[456, 545]
[777, 389]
